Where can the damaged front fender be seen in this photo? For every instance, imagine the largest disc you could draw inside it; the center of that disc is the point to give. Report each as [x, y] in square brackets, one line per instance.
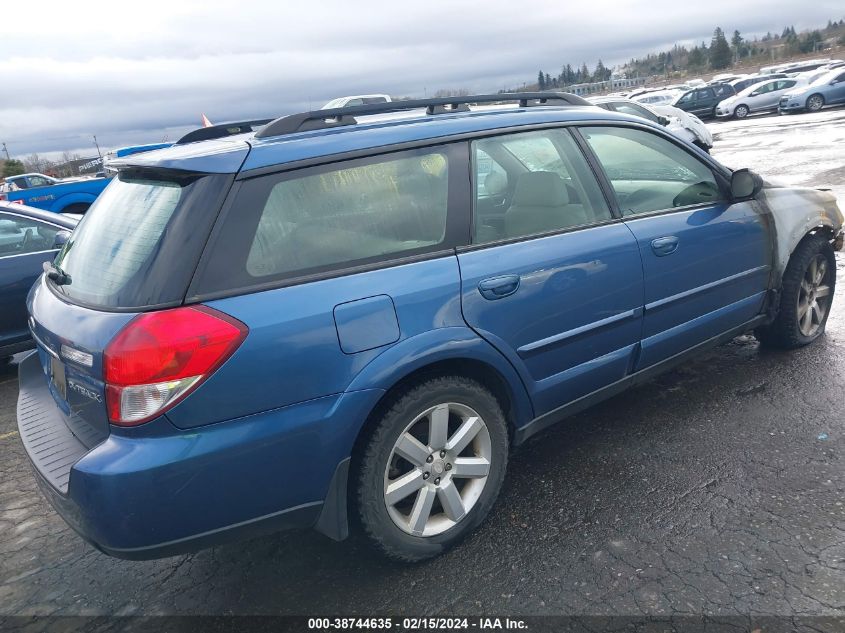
[796, 212]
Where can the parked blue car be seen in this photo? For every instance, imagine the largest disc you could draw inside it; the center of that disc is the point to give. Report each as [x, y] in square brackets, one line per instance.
[28, 238]
[827, 90]
[352, 315]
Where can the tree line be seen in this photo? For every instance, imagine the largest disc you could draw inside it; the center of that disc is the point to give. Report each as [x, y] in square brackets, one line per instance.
[721, 53]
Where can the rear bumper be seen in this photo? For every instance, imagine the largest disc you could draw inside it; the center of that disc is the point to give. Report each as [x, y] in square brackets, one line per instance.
[157, 491]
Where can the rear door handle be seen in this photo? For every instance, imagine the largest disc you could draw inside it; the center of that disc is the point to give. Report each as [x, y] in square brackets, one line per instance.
[663, 246]
[498, 287]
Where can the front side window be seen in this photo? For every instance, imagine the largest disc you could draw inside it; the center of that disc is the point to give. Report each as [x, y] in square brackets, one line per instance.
[341, 215]
[650, 173]
[544, 182]
[687, 98]
[705, 94]
[19, 236]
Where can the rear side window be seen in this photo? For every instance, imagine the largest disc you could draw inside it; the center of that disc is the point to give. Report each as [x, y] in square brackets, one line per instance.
[138, 244]
[333, 218]
[545, 185]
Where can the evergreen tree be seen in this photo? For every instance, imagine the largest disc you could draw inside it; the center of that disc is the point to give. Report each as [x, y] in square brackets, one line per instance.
[736, 42]
[720, 50]
[548, 81]
[13, 167]
[541, 80]
[696, 58]
[585, 72]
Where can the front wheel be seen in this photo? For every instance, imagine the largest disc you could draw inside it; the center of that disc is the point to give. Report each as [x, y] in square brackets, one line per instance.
[806, 296]
[741, 111]
[432, 468]
[815, 103]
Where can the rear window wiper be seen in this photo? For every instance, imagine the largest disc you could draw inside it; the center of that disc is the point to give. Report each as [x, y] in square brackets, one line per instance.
[56, 274]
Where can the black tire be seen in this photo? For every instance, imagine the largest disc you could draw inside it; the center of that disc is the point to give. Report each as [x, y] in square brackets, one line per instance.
[814, 103]
[79, 207]
[785, 331]
[371, 467]
[741, 111]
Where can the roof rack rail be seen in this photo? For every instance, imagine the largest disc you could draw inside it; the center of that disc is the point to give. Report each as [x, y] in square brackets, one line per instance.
[221, 130]
[337, 117]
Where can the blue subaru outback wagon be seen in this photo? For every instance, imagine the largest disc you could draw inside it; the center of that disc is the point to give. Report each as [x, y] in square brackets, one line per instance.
[352, 316]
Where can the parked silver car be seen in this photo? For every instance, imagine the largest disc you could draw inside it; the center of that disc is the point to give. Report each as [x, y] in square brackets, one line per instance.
[761, 97]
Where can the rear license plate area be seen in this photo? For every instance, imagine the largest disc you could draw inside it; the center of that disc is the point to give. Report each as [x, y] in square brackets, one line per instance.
[57, 377]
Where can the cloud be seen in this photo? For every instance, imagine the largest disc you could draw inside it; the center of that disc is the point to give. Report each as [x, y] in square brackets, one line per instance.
[135, 73]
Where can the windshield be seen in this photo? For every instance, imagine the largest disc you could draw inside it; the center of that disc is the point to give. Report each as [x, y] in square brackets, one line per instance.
[138, 244]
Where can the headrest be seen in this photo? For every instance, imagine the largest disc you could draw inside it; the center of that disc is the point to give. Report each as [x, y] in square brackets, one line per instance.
[540, 189]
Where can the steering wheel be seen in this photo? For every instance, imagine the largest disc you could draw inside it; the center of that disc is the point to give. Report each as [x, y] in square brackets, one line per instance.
[695, 194]
[630, 203]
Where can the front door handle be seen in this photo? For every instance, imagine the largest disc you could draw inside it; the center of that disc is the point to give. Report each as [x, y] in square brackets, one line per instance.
[663, 246]
[498, 287]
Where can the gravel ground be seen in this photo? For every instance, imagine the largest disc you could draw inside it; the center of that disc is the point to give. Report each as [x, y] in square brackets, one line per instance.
[716, 489]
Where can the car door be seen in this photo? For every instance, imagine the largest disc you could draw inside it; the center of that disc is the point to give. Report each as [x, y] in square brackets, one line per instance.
[836, 90]
[555, 281]
[25, 244]
[687, 102]
[706, 260]
[705, 102]
[782, 87]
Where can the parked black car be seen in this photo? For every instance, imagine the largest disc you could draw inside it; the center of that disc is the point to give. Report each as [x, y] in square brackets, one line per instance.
[28, 238]
[702, 101]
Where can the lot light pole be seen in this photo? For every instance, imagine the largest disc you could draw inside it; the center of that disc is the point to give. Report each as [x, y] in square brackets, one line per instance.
[6, 149]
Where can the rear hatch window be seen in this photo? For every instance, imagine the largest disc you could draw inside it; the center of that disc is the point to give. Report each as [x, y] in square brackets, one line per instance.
[138, 245]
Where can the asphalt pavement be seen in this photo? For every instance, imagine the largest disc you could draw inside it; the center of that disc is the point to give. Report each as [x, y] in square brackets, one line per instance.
[718, 488]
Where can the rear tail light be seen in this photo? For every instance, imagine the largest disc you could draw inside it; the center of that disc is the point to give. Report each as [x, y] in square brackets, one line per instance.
[3, 196]
[158, 358]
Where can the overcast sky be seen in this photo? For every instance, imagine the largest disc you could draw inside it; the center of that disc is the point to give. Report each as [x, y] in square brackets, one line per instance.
[139, 72]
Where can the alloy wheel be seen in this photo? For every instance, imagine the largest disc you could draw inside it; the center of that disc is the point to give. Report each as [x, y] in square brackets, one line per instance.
[815, 103]
[741, 112]
[814, 296]
[437, 469]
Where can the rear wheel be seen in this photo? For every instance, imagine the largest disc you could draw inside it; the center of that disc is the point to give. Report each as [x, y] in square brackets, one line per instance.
[815, 103]
[432, 468]
[806, 296]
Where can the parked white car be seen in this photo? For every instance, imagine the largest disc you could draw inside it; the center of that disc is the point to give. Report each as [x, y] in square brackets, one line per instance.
[684, 125]
[762, 97]
[658, 97]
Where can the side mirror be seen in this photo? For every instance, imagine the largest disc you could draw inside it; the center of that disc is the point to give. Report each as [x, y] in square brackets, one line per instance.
[61, 238]
[662, 120]
[754, 94]
[745, 184]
